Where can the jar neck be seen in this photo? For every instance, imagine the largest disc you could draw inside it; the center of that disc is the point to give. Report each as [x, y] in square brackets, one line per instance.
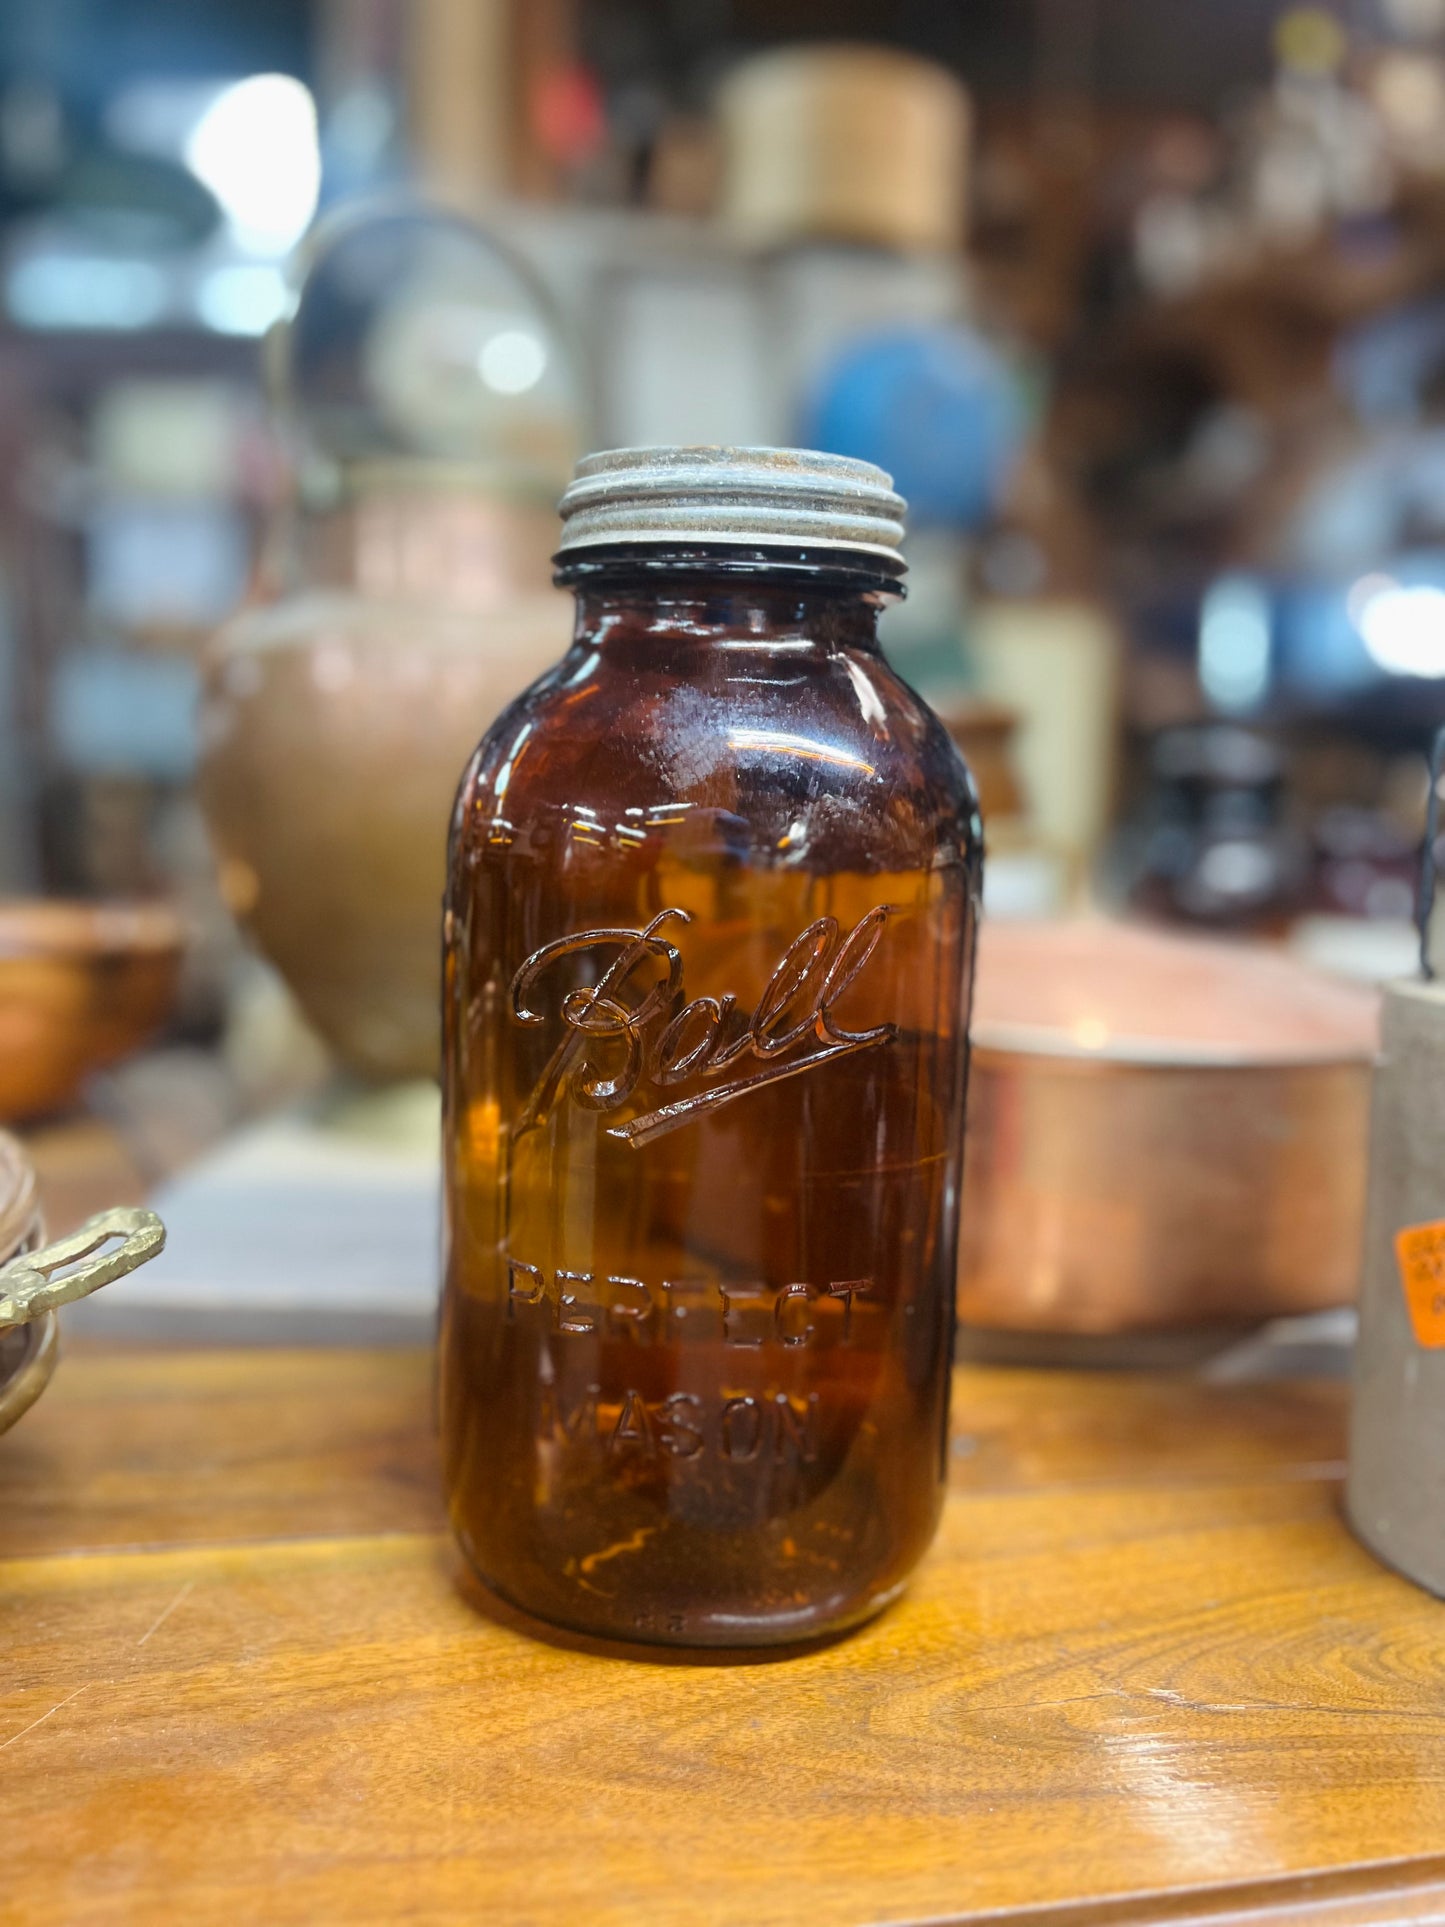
[728, 614]
[735, 600]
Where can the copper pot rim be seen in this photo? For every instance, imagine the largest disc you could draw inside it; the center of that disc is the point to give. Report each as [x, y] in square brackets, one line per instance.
[1121, 994]
[1043, 1045]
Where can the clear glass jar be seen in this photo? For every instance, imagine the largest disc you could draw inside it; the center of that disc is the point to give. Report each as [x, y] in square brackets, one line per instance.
[710, 920]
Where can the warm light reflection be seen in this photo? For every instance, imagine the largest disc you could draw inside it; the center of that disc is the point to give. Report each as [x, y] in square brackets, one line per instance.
[504, 774]
[1090, 1033]
[483, 1127]
[804, 746]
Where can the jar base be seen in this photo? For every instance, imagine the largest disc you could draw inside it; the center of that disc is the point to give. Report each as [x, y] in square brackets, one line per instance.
[769, 1637]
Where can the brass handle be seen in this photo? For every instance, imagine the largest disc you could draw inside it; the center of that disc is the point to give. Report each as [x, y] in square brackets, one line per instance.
[29, 1287]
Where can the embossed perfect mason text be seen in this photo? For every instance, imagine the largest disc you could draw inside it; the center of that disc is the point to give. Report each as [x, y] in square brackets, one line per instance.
[612, 1048]
[739, 1313]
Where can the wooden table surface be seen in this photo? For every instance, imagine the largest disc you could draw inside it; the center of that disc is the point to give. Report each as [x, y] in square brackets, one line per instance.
[244, 1680]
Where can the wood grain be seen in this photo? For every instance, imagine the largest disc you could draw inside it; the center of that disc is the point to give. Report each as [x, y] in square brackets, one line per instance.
[1144, 1656]
[136, 1447]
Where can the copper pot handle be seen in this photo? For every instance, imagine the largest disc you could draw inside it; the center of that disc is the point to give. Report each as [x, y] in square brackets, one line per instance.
[29, 1287]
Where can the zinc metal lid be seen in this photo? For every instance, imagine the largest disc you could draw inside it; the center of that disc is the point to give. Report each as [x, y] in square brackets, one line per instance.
[781, 497]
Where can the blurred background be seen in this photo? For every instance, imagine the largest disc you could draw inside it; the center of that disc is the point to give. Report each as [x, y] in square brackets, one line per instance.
[307, 308]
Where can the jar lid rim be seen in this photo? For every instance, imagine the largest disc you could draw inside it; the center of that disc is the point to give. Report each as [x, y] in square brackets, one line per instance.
[799, 498]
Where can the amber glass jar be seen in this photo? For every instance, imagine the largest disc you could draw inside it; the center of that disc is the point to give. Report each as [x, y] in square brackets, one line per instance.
[709, 931]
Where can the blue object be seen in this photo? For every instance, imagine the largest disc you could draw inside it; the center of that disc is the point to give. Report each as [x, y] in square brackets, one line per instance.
[1386, 367]
[935, 406]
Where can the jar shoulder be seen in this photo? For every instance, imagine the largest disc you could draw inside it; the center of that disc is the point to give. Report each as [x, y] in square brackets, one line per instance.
[834, 746]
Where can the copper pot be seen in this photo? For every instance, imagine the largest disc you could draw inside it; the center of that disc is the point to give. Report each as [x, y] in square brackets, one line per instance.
[1163, 1133]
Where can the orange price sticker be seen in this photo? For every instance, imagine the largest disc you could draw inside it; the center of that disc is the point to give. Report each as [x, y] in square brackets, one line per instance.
[1420, 1250]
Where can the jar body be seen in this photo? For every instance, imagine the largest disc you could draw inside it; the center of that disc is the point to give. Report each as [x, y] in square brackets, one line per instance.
[712, 897]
